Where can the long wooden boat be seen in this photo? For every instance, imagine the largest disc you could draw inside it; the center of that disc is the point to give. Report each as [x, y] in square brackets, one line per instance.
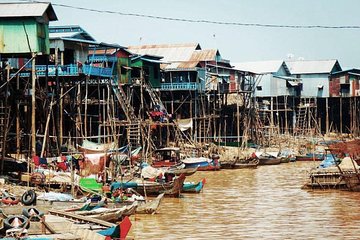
[242, 164]
[170, 189]
[114, 215]
[191, 187]
[202, 163]
[310, 157]
[150, 207]
[111, 229]
[228, 164]
[269, 161]
[180, 169]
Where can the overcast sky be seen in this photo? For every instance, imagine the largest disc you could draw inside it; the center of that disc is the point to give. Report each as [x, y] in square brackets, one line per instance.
[236, 43]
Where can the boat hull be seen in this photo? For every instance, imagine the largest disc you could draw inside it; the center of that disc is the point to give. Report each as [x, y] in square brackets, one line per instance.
[240, 165]
[213, 165]
[269, 161]
[193, 187]
[170, 189]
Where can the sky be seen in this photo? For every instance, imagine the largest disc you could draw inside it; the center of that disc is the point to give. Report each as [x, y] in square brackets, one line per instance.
[235, 43]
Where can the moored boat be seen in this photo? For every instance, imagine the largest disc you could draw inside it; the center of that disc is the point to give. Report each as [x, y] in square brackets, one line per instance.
[311, 157]
[110, 214]
[252, 163]
[193, 187]
[152, 188]
[202, 163]
[150, 207]
[180, 169]
[246, 164]
[269, 161]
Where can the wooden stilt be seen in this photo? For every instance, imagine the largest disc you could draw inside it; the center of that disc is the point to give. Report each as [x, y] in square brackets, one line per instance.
[327, 115]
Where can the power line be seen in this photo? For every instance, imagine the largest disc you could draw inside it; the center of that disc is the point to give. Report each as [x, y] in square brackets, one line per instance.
[209, 21]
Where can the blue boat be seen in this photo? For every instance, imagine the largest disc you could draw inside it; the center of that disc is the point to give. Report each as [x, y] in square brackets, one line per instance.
[191, 187]
[202, 163]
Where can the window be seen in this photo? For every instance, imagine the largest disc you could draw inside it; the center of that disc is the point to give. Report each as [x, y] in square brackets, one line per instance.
[259, 88]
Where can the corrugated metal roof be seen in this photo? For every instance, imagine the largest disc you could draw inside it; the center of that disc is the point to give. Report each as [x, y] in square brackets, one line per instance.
[71, 31]
[34, 9]
[260, 67]
[180, 65]
[204, 55]
[170, 52]
[60, 35]
[313, 66]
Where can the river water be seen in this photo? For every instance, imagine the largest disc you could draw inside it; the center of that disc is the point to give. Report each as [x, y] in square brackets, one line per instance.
[262, 203]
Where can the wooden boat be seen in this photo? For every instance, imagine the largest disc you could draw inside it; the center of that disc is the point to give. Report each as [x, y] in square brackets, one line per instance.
[284, 159]
[228, 164]
[311, 157]
[180, 169]
[150, 207]
[89, 229]
[191, 187]
[246, 164]
[202, 163]
[111, 214]
[253, 163]
[269, 160]
[170, 189]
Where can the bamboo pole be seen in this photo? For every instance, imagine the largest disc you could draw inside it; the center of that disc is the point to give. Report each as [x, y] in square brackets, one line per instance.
[33, 106]
[86, 106]
[47, 125]
[18, 137]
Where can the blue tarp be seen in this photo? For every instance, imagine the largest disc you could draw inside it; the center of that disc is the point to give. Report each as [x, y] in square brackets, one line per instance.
[328, 161]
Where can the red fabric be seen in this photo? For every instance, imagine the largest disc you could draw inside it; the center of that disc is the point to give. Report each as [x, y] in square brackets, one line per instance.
[125, 226]
[36, 160]
[62, 165]
[156, 114]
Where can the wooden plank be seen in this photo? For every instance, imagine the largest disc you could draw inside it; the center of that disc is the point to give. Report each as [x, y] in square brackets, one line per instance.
[81, 218]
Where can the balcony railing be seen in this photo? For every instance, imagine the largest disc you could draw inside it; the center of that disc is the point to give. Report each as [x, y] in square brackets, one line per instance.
[97, 71]
[63, 70]
[98, 58]
[179, 86]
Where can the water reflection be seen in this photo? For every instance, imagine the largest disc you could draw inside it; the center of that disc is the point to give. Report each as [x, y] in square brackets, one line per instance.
[263, 203]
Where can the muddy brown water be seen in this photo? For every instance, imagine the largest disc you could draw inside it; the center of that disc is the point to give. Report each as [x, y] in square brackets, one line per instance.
[262, 203]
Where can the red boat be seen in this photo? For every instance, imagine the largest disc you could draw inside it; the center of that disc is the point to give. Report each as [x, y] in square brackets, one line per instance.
[311, 157]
